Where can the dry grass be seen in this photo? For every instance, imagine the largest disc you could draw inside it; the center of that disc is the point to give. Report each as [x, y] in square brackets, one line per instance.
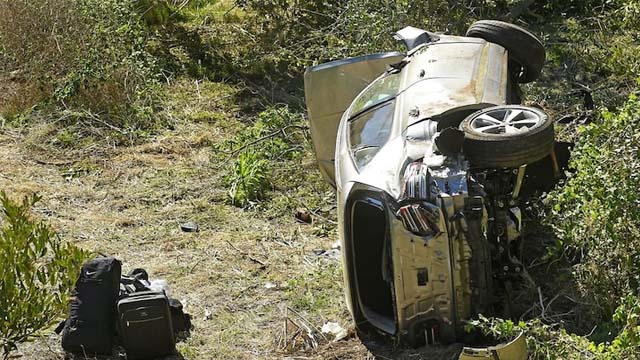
[238, 275]
[129, 202]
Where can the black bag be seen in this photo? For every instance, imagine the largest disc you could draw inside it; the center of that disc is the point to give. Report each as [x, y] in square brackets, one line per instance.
[145, 325]
[90, 327]
[133, 283]
[180, 320]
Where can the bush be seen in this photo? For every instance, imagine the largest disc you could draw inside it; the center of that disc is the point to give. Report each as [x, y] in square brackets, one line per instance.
[597, 219]
[248, 181]
[37, 271]
[597, 212]
[87, 56]
[270, 139]
[287, 36]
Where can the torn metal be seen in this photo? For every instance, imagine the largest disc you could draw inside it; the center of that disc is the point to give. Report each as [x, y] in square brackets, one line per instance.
[513, 350]
[427, 239]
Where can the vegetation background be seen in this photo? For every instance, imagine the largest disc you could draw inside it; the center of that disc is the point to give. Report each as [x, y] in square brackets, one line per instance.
[131, 116]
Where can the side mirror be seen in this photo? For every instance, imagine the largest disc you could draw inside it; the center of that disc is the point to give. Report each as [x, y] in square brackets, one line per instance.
[414, 37]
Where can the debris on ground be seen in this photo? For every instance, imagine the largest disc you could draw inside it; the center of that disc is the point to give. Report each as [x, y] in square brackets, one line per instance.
[189, 227]
[207, 315]
[303, 216]
[299, 333]
[335, 329]
[333, 253]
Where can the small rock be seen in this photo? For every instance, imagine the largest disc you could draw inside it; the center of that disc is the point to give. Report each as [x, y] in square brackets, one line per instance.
[303, 215]
[15, 75]
[189, 227]
[207, 315]
[270, 285]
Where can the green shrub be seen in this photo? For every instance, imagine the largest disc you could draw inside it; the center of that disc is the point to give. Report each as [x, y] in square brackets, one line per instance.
[544, 341]
[287, 36]
[248, 182]
[272, 138]
[290, 35]
[597, 212]
[37, 270]
[87, 56]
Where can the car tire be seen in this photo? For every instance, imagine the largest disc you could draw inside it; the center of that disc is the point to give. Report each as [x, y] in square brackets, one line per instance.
[507, 136]
[523, 47]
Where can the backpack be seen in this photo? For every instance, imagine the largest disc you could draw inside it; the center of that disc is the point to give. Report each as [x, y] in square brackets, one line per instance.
[90, 327]
[149, 322]
[180, 320]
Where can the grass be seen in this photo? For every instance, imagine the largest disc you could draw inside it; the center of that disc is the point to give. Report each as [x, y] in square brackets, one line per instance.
[129, 202]
[250, 266]
[238, 275]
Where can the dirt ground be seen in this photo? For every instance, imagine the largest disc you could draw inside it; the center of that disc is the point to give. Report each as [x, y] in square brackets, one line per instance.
[251, 278]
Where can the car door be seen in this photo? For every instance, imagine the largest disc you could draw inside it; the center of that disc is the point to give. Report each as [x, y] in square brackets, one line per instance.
[329, 90]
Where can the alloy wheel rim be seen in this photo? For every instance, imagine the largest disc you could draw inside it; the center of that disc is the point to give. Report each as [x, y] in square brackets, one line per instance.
[506, 121]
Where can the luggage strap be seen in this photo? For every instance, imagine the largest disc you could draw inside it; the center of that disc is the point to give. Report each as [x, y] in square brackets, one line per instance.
[133, 284]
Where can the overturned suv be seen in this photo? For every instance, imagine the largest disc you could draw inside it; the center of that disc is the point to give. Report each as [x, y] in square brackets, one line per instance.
[430, 152]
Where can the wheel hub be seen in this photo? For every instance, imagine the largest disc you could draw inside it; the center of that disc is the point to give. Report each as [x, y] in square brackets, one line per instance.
[506, 121]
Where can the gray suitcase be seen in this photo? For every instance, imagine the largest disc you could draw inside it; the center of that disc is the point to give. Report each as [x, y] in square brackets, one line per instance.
[145, 325]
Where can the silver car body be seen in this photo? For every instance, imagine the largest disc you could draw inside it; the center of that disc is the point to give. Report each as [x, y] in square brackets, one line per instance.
[425, 287]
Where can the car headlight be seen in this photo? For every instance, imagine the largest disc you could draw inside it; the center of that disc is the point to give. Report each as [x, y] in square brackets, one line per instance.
[418, 215]
[420, 218]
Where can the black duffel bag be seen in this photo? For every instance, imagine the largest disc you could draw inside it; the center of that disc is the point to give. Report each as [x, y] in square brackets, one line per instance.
[90, 327]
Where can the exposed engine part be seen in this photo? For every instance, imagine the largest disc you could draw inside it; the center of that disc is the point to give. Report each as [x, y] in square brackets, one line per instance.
[417, 182]
[481, 261]
[514, 224]
[519, 179]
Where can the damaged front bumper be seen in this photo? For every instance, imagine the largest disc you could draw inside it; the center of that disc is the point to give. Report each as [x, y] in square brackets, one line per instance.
[409, 260]
[419, 264]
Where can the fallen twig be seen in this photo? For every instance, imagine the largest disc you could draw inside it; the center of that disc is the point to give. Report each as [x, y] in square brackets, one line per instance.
[247, 256]
[311, 329]
[259, 140]
[55, 163]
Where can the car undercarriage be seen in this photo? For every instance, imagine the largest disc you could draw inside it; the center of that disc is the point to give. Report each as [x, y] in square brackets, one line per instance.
[432, 161]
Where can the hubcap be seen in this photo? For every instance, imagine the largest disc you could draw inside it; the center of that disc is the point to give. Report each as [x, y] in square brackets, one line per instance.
[506, 121]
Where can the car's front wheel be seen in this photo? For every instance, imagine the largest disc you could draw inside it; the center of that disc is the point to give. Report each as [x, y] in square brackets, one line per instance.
[507, 136]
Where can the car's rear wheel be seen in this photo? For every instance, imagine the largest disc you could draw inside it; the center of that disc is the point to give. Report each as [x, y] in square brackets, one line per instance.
[507, 136]
[524, 48]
